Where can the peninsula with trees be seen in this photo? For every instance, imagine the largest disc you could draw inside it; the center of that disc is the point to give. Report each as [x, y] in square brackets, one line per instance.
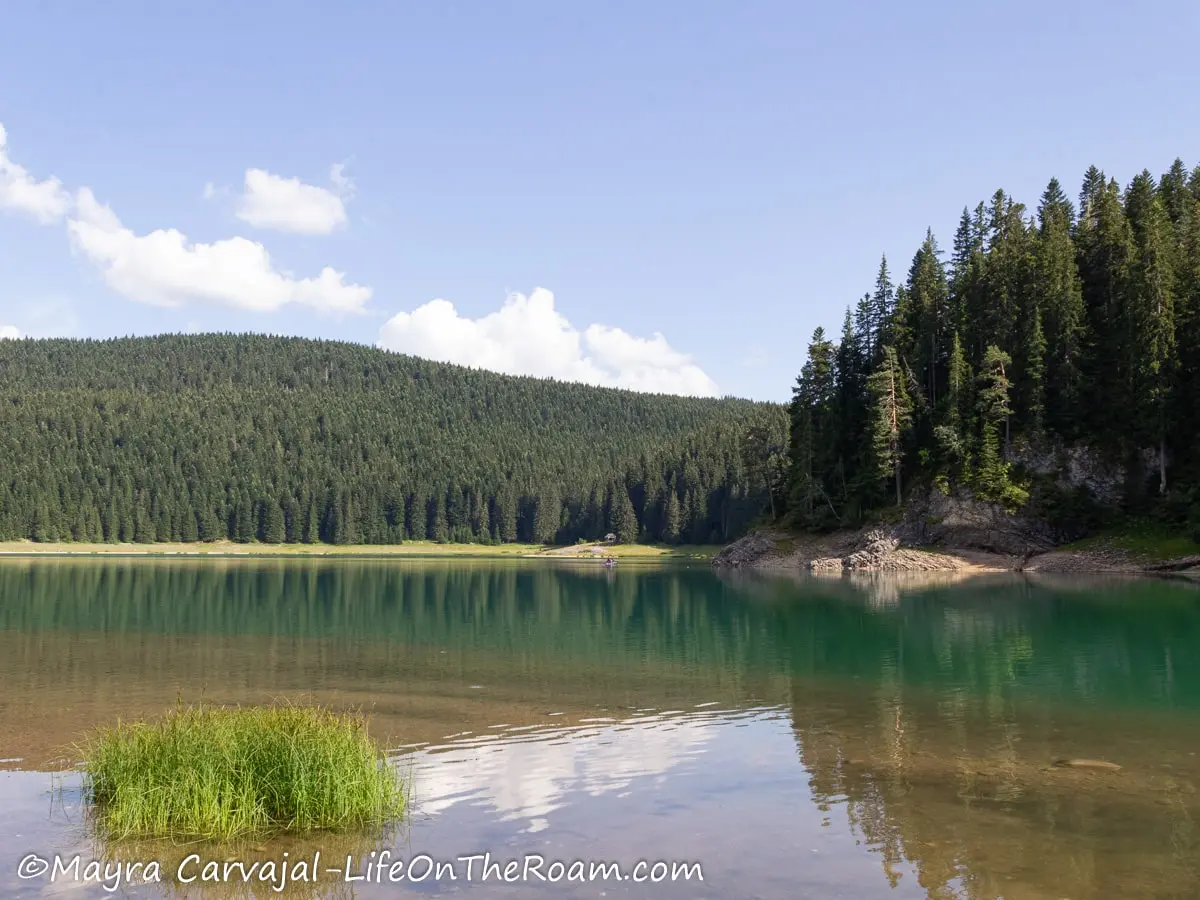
[1036, 384]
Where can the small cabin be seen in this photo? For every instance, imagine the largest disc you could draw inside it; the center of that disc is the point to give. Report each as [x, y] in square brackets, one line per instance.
[610, 538]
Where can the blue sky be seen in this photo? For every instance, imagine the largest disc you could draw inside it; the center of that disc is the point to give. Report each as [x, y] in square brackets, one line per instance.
[722, 174]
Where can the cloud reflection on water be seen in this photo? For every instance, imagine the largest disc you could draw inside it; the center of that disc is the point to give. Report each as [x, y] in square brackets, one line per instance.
[526, 774]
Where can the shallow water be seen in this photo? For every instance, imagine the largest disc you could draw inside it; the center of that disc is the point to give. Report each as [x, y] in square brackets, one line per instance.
[795, 737]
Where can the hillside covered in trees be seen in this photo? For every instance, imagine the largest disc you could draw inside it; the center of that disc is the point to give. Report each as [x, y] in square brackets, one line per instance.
[251, 438]
[1073, 326]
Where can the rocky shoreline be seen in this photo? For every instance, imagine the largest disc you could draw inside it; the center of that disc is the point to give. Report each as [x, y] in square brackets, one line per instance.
[850, 551]
[951, 534]
[884, 550]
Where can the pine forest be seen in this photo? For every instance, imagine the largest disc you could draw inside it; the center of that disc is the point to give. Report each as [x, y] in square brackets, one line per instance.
[250, 438]
[1076, 324]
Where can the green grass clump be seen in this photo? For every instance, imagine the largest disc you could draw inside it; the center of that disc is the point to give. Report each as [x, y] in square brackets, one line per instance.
[218, 772]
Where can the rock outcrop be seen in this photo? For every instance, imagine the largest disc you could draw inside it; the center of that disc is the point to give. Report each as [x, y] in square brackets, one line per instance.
[753, 549]
[960, 522]
[939, 533]
[874, 550]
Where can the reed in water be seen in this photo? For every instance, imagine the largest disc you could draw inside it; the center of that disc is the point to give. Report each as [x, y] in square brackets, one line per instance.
[220, 772]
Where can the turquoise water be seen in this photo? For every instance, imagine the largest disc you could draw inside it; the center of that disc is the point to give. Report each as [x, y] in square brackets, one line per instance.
[795, 737]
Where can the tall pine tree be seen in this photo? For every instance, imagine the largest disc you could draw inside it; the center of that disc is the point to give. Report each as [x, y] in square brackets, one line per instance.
[891, 418]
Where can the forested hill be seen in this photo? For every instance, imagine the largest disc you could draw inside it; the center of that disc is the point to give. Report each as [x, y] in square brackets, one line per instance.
[251, 438]
[1075, 325]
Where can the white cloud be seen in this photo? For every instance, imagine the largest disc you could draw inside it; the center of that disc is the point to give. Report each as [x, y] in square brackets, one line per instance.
[47, 201]
[287, 204]
[9, 333]
[528, 336]
[163, 268]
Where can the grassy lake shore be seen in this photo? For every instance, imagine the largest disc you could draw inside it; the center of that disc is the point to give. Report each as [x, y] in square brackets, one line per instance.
[416, 549]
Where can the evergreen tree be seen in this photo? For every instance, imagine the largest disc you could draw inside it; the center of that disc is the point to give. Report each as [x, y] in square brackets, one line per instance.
[593, 516]
[126, 529]
[416, 515]
[1151, 311]
[965, 249]
[882, 309]
[348, 533]
[994, 405]
[927, 308]
[1173, 190]
[292, 524]
[547, 517]
[624, 519]
[312, 524]
[955, 412]
[865, 327]
[1060, 301]
[812, 450]
[1105, 251]
[892, 415]
[274, 526]
[1090, 195]
[1033, 371]
[110, 521]
[43, 530]
[189, 529]
[437, 528]
[995, 410]
[1186, 397]
[958, 382]
[95, 531]
[245, 528]
[506, 514]
[850, 410]
[671, 531]
[1008, 281]
[332, 525]
[209, 524]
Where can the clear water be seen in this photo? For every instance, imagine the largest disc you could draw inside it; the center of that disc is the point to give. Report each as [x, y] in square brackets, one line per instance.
[799, 738]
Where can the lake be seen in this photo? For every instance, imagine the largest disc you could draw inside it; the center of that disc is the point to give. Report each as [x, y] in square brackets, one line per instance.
[795, 737]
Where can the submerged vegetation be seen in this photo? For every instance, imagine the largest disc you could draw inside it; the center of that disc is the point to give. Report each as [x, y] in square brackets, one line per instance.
[216, 772]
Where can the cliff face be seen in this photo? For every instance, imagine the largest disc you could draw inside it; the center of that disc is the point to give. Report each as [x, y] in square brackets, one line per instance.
[960, 522]
[1079, 468]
